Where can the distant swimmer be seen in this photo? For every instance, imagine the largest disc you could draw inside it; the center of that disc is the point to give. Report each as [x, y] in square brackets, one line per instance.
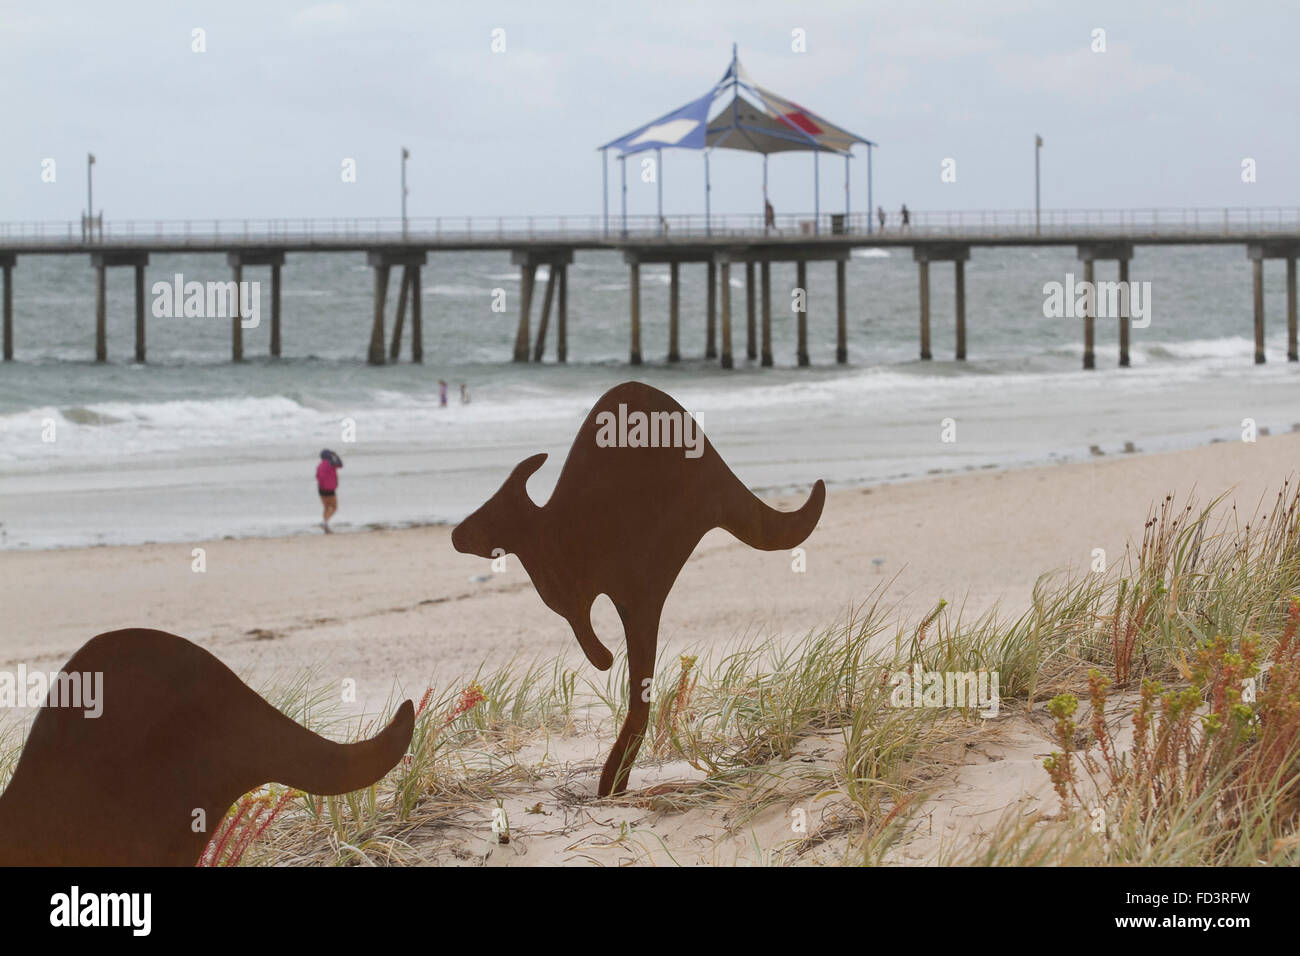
[327, 483]
[464, 394]
[442, 393]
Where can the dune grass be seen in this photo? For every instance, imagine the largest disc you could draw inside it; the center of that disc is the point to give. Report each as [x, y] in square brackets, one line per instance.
[1140, 676]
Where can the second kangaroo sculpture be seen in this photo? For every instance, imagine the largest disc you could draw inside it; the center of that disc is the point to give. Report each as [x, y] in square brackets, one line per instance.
[640, 488]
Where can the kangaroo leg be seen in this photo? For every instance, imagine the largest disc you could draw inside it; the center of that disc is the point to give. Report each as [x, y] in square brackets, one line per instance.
[641, 628]
[596, 652]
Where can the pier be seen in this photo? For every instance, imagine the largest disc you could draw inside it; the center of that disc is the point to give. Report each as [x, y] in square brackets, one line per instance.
[716, 244]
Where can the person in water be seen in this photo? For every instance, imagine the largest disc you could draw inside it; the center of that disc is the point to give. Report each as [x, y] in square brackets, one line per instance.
[442, 393]
[327, 483]
[464, 394]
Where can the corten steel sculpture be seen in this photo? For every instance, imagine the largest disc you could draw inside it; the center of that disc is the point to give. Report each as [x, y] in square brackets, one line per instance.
[179, 732]
[622, 521]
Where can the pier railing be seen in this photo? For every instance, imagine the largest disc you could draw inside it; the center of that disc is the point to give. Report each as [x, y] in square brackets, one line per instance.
[972, 224]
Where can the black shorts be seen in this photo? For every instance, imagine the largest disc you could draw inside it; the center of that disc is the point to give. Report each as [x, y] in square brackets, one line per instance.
[326, 494]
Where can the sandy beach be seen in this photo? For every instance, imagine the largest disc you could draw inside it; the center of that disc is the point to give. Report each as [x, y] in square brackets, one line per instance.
[403, 609]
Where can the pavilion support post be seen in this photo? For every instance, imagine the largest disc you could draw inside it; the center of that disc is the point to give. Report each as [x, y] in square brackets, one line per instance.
[540, 349]
[417, 318]
[674, 313]
[376, 354]
[710, 341]
[101, 312]
[751, 331]
[1124, 322]
[7, 266]
[765, 293]
[923, 276]
[395, 351]
[801, 281]
[527, 277]
[841, 313]
[1089, 320]
[726, 313]
[1259, 310]
[562, 316]
[275, 310]
[959, 288]
[635, 269]
[1291, 354]
[139, 312]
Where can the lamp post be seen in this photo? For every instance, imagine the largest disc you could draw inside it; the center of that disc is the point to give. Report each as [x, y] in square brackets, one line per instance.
[90, 196]
[1038, 147]
[406, 154]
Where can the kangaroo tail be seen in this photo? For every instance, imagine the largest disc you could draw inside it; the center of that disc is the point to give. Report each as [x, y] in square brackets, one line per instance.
[767, 529]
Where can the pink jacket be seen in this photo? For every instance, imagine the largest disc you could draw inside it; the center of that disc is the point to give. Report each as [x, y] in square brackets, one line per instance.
[327, 478]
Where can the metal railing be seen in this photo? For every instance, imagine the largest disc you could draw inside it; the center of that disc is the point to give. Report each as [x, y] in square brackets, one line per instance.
[968, 224]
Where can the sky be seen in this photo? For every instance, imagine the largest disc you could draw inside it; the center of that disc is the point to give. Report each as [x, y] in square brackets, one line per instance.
[260, 123]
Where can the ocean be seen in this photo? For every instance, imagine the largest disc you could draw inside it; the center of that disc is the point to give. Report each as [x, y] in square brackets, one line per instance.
[190, 447]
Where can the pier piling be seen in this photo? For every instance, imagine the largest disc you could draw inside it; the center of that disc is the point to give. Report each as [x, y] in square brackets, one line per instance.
[801, 282]
[1089, 319]
[710, 341]
[101, 312]
[1124, 320]
[139, 312]
[1090, 253]
[376, 355]
[725, 270]
[275, 306]
[959, 292]
[395, 350]
[674, 313]
[923, 277]
[841, 315]
[751, 344]
[545, 320]
[562, 316]
[957, 254]
[635, 282]
[101, 262]
[1291, 354]
[1274, 249]
[7, 268]
[527, 278]
[765, 291]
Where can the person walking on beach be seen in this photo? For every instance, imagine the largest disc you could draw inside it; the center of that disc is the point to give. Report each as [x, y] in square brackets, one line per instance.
[906, 216]
[880, 214]
[327, 483]
[464, 394]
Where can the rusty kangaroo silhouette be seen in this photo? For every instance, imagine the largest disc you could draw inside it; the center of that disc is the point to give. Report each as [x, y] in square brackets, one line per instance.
[179, 732]
[622, 521]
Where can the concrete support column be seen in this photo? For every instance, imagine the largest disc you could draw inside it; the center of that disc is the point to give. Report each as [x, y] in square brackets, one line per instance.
[139, 312]
[674, 313]
[527, 277]
[395, 350]
[801, 281]
[562, 317]
[1291, 355]
[635, 357]
[1258, 265]
[101, 313]
[710, 343]
[1124, 321]
[923, 275]
[540, 349]
[376, 354]
[726, 314]
[765, 292]
[751, 343]
[275, 310]
[841, 315]
[417, 318]
[7, 267]
[1089, 321]
[959, 288]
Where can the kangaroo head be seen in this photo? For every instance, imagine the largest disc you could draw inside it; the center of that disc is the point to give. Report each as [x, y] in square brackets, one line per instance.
[500, 524]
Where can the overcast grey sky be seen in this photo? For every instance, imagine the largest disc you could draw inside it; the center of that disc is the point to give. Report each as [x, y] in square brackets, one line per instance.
[259, 124]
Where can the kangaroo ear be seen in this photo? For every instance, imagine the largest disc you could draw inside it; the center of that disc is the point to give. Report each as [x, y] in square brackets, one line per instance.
[524, 470]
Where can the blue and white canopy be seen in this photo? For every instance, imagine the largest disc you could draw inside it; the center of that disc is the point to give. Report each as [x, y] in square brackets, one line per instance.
[753, 119]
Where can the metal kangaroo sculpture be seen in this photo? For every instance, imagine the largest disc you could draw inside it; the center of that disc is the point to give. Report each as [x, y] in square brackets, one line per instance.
[640, 488]
[179, 732]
